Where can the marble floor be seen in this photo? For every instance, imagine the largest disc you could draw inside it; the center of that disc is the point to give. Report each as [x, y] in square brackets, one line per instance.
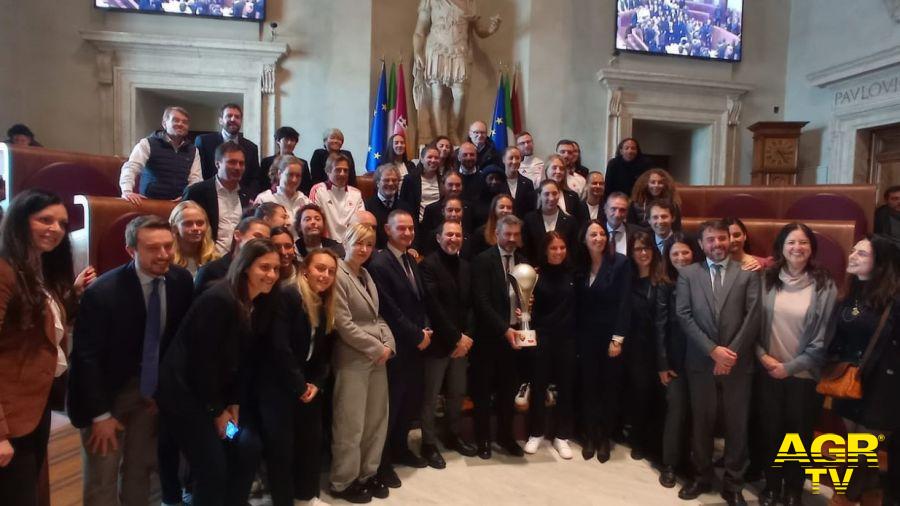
[543, 479]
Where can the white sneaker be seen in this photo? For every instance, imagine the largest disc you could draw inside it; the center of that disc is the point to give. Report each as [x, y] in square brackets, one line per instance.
[522, 396]
[534, 442]
[562, 447]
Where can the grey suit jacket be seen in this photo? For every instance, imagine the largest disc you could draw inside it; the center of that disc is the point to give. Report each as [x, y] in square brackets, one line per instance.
[812, 352]
[733, 322]
[362, 332]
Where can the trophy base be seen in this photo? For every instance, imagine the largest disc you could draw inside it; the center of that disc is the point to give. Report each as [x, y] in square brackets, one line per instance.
[526, 338]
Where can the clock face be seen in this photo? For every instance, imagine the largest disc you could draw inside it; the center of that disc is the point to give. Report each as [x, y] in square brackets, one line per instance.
[779, 153]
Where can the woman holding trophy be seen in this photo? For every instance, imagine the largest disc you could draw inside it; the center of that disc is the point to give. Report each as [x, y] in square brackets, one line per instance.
[553, 318]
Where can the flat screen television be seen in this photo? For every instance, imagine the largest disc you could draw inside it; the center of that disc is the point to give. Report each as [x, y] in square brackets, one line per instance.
[242, 10]
[705, 29]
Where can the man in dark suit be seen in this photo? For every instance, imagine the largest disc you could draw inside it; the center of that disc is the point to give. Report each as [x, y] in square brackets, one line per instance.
[469, 170]
[401, 297]
[222, 196]
[718, 306]
[615, 211]
[231, 118]
[249, 228]
[484, 146]
[387, 183]
[125, 322]
[446, 278]
[494, 356]
[887, 216]
[661, 218]
[452, 186]
[286, 138]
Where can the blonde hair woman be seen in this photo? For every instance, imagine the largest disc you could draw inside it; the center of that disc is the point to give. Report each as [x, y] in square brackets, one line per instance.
[299, 359]
[363, 346]
[194, 246]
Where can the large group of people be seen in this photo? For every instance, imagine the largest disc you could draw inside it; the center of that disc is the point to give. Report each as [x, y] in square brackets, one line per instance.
[259, 333]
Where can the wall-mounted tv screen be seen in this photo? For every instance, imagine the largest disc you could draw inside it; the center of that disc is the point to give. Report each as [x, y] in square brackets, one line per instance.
[245, 10]
[707, 29]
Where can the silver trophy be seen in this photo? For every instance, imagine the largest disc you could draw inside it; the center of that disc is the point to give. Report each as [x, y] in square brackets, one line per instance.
[526, 278]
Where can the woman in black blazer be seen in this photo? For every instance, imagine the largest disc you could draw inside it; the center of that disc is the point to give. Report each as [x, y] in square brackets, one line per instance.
[671, 347]
[421, 188]
[332, 142]
[643, 390]
[291, 395]
[485, 235]
[206, 375]
[555, 169]
[553, 317]
[602, 317]
[547, 217]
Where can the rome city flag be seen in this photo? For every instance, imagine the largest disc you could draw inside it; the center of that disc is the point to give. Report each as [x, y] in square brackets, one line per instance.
[400, 116]
[379, 126]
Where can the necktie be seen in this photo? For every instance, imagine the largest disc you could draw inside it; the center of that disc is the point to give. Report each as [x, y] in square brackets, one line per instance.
[612, 237]
[150, 360]
[506, 259]
[717, 279]
[389, 203]
[409, 274]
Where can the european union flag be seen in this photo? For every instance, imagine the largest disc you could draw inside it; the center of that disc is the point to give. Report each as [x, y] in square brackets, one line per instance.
[379, 126]
[498, 123]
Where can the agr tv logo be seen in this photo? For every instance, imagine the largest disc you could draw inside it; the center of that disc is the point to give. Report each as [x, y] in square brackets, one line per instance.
[827, 454]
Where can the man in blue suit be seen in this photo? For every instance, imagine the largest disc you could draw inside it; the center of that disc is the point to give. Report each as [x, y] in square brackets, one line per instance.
[126, 320]
[402, 301]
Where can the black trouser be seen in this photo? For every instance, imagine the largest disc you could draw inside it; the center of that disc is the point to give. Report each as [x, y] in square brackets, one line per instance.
[406, 383]
[732, 392]
[676, 430]
[601, 387]
[222, 470]
[169, 460]
[291, 432]
[643, 395]
[494, 371]
[19, 479]
[553, 361]
[785, 405]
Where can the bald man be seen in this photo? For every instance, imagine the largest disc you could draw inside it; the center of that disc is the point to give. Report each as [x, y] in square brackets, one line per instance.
[366, 218]
[479, 135]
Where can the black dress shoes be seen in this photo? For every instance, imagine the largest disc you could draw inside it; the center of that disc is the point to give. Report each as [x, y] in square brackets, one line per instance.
[377, 487]
[431, 455]
[637, 453]
[768, 497]
[409, 459]
[693, 490]
[461, 447]
[734, 498]
[603, 450]
[512, 447]
[484, 450]
[355, 493]
[667, 477]
[588, 449]
[388, 477]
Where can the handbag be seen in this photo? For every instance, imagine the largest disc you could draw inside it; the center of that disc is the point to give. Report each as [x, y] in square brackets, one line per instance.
[843, 380]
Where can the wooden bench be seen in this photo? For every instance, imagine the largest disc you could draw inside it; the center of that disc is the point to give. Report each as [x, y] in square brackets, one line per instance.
[794, 203]
[101, 242]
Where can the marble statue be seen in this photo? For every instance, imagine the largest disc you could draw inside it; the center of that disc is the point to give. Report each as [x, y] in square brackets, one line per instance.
[443, 56]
